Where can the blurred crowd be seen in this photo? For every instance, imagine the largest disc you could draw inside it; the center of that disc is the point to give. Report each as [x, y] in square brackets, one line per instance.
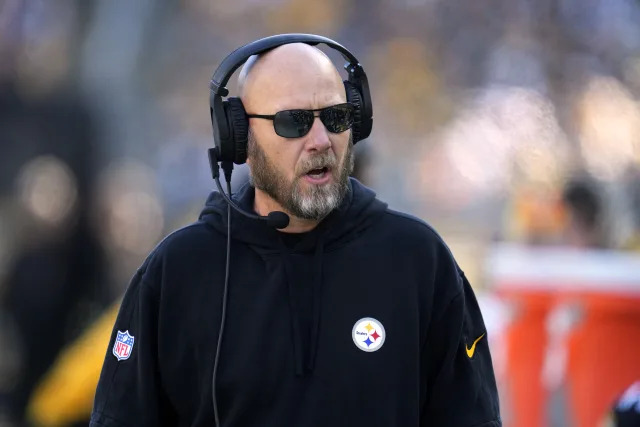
[496, 121]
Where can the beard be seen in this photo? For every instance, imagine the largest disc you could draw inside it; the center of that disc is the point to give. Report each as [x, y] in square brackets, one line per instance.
[314, 202]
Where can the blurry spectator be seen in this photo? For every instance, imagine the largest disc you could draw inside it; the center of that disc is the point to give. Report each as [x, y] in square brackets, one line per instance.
[633, 193]
[54, 280]
[583, 201]
[626, 410]
[65, 395]
[535, 216]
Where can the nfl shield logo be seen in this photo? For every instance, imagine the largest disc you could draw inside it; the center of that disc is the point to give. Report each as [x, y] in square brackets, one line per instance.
[123, 345]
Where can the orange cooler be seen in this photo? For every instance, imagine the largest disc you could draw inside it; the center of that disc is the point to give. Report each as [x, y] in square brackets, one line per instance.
[575, 325]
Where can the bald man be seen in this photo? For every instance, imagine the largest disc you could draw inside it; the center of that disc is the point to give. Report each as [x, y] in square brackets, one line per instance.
[303, 77]
[353, 315]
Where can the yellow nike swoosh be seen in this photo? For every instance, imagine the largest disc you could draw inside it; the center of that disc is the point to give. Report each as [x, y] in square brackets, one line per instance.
[472, 350]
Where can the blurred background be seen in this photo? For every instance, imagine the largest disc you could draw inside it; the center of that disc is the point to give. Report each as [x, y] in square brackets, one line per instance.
[512, 126]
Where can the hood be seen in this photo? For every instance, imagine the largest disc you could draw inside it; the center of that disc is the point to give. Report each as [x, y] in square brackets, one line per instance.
[357, 212]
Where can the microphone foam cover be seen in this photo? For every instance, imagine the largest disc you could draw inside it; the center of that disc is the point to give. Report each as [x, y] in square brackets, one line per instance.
[277, 219]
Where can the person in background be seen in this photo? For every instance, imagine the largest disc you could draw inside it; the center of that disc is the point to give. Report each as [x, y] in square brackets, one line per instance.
[632, 187]
[55, 280]
[583, 201]
[626, 410]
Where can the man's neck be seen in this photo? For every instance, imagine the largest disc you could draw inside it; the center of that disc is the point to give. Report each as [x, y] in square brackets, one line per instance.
[263, 204]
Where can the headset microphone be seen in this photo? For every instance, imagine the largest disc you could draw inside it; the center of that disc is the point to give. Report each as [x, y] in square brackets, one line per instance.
[275, 219]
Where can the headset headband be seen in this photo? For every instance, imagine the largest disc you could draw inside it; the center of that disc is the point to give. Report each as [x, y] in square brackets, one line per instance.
[222, 125]
[238, 57]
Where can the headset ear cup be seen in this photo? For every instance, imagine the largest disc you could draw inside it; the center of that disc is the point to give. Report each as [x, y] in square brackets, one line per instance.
[353, 97]
[239, 127]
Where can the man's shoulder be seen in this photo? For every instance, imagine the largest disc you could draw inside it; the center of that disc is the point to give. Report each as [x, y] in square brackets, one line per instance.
[404, 225]
[409, 234]
[410, 238]
[191, 241]
[188, 237]
[196, 232]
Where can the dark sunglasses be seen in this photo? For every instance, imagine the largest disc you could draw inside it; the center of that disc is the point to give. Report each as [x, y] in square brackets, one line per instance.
[298, 123]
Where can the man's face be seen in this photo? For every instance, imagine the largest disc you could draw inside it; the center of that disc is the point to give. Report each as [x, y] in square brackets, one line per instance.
[307, 176]
[297, 195]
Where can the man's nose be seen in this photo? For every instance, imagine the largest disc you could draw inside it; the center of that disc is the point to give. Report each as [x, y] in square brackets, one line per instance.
[318, 136]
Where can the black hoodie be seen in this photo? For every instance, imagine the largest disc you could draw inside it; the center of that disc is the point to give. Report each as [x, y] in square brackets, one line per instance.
[364, 321]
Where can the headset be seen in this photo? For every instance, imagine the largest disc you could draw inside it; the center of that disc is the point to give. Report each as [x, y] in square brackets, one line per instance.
[231, 130]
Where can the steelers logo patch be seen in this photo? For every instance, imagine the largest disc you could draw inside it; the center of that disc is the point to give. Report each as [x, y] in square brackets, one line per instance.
[368, 334]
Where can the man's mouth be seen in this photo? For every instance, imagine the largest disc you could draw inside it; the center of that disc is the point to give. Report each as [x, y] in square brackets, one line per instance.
[317, 173]
[318, 176]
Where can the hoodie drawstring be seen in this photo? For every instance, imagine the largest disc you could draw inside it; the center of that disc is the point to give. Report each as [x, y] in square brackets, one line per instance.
[317, 303]
[298, 353]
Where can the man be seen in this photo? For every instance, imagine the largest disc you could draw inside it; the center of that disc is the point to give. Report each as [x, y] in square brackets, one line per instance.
[353, 315]
[626, 410]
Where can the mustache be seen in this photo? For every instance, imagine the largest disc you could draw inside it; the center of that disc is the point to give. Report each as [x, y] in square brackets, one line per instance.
[326, 160]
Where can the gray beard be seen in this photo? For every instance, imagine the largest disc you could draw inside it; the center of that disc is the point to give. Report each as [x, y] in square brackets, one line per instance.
[313, 204]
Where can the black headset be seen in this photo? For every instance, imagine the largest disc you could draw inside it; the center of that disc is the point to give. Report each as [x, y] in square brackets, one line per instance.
[229, 119]
[231, 131]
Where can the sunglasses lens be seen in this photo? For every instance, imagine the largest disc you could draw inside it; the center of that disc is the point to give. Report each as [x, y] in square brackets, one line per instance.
[338, 118]
[293, 123]
[297, 123]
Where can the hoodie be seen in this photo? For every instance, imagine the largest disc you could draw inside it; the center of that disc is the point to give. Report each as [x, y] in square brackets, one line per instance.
[364, 321]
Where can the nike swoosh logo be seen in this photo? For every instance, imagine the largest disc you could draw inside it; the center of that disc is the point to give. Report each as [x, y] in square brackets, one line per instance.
[472, 350]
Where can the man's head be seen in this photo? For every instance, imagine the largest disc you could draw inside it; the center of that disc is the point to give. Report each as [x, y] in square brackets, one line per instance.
[307, 176]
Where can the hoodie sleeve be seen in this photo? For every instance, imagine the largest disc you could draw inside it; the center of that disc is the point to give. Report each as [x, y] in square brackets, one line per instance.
[457, 369]
[129, 391]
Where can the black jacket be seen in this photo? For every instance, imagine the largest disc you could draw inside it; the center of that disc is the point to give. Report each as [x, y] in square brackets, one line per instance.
[295, 350]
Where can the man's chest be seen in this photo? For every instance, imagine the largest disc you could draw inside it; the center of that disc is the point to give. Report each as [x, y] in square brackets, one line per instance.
[361, 325]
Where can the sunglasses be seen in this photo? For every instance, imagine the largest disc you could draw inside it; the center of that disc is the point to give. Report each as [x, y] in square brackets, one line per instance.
[298, 123]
